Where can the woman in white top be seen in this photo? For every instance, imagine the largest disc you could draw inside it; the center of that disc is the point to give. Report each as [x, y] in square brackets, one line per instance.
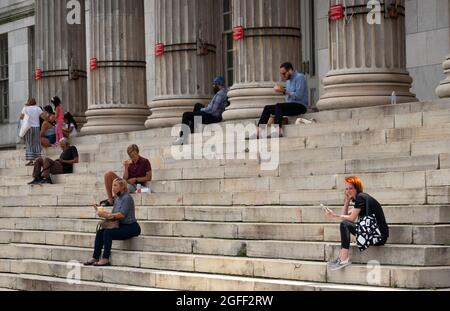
[32, 137]
[71, 130]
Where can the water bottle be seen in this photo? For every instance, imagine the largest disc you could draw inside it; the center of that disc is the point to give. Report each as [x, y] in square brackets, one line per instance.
[393, 98]
[139, 188]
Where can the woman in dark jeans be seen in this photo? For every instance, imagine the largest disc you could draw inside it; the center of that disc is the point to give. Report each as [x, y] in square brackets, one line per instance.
[354, 192]
[124, 211]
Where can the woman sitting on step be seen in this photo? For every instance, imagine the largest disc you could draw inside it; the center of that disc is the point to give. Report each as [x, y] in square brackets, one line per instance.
[127, 227]
[365, 205]
[48, 132]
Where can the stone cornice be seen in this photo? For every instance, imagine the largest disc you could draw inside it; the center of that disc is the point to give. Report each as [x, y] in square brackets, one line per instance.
[15, 13]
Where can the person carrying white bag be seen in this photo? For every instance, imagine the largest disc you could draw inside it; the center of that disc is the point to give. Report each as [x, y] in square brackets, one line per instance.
[30, 130]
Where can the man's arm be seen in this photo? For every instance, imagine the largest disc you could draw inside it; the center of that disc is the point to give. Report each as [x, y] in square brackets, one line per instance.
[71, 162]
[215, 104]
[145, 179]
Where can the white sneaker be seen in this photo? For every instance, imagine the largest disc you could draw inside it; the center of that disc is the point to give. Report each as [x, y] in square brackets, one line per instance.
[340, 265]
[333, 262]
[178, 142]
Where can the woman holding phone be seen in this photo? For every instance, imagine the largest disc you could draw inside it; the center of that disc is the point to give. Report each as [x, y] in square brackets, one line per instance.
[124, 213]
[354, 192]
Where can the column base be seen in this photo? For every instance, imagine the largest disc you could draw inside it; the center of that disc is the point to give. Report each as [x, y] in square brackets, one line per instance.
[344, 91]
[249, 102]
[168, 112]
[443, 90]
[110, 121]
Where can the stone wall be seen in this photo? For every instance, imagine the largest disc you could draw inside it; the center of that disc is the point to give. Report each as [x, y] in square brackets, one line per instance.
[427, 44]
[19, 66]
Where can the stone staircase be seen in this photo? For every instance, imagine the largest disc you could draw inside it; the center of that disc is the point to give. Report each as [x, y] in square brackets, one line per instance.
[228, 225]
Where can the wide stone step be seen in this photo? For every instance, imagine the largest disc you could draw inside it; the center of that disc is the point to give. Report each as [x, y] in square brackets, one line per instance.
[91, 184]
[409, 214]
[405, 116]
[189, 170]
[422, 255]
[270, 270]
[399, 234]
[386, 196]
[23, 282]
[142, 278]
[352, 139]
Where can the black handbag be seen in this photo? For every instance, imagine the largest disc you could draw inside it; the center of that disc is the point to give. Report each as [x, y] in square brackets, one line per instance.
[367, 230]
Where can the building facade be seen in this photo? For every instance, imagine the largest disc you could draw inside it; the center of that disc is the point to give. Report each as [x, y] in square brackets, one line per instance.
[376, 48]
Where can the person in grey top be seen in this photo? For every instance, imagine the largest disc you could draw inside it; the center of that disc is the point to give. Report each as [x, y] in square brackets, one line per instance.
[124, 212]
[208, 115]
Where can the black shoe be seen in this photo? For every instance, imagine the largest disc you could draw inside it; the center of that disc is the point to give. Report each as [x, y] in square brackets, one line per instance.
[35, 181]
[46, 181]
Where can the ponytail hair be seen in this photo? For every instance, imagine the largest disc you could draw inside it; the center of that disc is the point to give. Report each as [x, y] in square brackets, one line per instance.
[68, 116]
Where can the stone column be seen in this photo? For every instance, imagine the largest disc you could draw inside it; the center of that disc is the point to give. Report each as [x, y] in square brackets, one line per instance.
[185, 71]
[61, 54]
[118, 87]
[443, 90]
[367, 61]
[272, 37]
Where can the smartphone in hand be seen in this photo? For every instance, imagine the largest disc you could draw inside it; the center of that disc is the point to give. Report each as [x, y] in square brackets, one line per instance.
[324, 208]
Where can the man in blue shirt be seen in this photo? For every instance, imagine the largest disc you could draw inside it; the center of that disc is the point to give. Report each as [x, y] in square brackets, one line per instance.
[211, 114]
[296, 93]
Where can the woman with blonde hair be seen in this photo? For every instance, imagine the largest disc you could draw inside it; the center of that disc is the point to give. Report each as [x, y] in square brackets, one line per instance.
[365, 205]
[122, 224]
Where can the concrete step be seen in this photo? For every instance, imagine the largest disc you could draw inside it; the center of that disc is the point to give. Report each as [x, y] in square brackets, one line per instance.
[390, 276]
[400, 234]
[23, 282]
[400, 117]
[346, 139]
[188, 170]
[399, 255]
[175, 280]
[177, 170]
[90, 184]
[386, 196]
[400, 215]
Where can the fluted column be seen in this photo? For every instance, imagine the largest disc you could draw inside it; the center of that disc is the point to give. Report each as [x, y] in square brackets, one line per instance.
[185, 71]
[272, 37]
[118, 87]
[367, 61]
[443, 90]
[61, 54]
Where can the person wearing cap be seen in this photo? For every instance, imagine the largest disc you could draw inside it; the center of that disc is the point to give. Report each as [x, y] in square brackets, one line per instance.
[64, 165]
[209, 115]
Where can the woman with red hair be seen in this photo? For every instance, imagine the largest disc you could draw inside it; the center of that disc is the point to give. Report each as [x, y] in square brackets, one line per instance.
[364, 205]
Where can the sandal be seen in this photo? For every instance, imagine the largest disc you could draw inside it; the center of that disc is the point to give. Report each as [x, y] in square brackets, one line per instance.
[102, 265]
[91, 262]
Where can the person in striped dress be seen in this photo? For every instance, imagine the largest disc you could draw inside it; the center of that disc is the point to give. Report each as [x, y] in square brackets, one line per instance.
[32, 137]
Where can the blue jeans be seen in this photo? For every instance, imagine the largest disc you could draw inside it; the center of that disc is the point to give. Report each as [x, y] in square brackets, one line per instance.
[104, 238]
